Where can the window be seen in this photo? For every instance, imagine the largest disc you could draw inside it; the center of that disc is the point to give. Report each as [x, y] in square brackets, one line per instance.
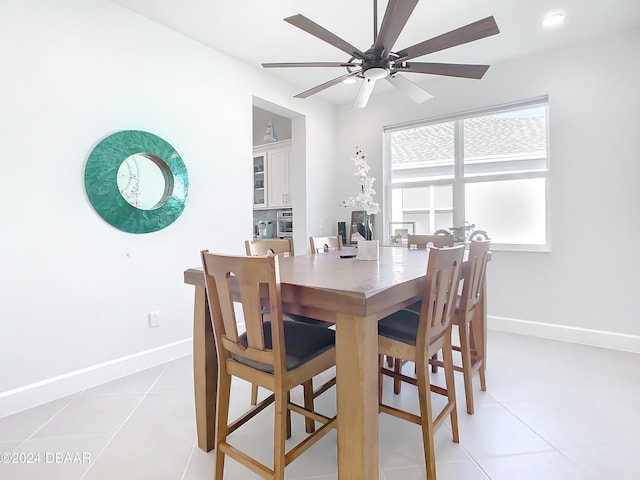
[488, 168]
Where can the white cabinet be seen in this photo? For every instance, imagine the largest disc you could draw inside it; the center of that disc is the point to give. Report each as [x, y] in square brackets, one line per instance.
[278, 177]
[271, 176]
[259, 180]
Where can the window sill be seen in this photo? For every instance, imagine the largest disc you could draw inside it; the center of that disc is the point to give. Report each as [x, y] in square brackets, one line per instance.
[512, 247]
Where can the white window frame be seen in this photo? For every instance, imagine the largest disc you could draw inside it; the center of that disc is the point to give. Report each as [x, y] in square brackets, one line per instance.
[459, 182]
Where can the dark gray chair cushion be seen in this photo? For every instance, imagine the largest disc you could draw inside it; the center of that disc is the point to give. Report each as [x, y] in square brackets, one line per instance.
[303, 342]
[401, 326]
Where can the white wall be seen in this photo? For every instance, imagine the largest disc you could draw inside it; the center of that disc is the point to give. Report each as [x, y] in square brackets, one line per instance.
[76, 291]
[594, 102]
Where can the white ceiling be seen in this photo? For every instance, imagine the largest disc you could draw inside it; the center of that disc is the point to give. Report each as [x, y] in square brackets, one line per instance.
[253, 31]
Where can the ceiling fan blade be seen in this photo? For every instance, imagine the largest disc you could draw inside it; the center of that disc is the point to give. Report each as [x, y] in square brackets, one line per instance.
[364, 93]
[474, 31]
[325, 85]
[447, 69]
[309, 64]
[322, 33]
[395, 18]
[413, 91]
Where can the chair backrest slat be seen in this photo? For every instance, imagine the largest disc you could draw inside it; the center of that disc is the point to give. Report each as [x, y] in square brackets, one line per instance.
[421, 241]
[250, 299]
[474, 276]
[438, 304]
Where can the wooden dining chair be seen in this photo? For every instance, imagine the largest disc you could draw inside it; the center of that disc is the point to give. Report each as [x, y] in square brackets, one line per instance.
[274, 354]
[275, 246]
[279, 246]
[325, 244]
[468, 318]
[416, 337]
[422, 241]
[267, 246]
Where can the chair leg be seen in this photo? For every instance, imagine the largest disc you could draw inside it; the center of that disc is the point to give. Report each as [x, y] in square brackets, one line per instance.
[465, 352]
[397, 368]
[254, 394]
[309, 424]
[288, 416]
[483, 377]
[281, 411]
[222, 419]
[426, 415]
[380, 376]
[477, 333]
[434, 367]
[447, 359]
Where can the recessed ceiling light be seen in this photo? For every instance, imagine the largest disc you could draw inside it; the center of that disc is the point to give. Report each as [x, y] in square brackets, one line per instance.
[553, 19]
[349, 80]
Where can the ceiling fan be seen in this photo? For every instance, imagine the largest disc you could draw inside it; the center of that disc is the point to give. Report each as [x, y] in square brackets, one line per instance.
[381, 62]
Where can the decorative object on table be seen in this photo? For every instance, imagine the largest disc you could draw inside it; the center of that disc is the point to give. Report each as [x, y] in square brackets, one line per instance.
[136, 181]
[399, 232]
[368, 248]
[465, 233]
[342, 231]
[383, 62]
[360, 230]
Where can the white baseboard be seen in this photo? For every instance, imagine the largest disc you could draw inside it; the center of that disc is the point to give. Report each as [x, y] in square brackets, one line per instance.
[28, 396]
[584, 336]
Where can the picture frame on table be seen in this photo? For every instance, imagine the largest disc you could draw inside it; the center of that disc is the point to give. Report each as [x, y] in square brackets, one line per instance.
[358, 217]
[399, 232]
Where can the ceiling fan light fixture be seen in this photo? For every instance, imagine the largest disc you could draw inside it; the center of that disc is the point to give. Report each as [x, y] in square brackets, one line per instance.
[553, 19]
[376, 73]
[349, 80]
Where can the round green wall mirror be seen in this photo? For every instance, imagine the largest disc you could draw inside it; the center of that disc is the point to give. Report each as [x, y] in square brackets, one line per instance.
[136, 181]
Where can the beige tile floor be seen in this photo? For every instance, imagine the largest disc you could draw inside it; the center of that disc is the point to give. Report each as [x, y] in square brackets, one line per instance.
[552, 410]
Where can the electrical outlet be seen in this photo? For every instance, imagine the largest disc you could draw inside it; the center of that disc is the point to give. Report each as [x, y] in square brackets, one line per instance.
[154, 319]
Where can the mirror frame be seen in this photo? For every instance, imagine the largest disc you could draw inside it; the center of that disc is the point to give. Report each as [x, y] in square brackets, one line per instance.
[100, 181]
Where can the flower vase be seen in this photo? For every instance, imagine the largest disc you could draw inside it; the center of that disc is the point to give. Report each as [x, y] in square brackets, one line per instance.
[368, 250]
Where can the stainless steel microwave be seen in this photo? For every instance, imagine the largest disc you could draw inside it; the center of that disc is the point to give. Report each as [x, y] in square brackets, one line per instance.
[284, 223]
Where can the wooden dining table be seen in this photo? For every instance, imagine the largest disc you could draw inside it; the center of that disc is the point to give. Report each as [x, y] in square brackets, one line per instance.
[352, 293]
